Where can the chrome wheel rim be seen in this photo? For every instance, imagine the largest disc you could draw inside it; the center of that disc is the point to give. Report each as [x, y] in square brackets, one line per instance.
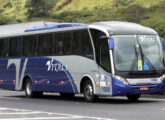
[28, 88]
[89, 91]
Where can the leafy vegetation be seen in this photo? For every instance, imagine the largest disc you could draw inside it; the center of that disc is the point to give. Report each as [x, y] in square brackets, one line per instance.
[147, 12]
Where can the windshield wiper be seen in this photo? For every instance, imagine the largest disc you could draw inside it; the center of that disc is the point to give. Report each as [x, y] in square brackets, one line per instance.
[134, 60]
[135, 63]
[143, 55]
[140, 51]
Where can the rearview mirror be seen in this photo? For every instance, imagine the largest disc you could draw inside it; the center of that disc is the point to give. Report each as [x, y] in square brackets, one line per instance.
[111, 44]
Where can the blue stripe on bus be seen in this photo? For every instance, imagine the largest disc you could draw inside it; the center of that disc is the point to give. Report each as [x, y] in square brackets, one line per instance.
[54, 26]
[71, 78]
[39, 73]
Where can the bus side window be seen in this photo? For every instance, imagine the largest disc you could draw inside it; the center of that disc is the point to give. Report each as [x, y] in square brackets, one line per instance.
[101, 49]
[42, 45]
[86, 46]
[50, 45]
[29, 46]
[67, 43]
[77, 43]
[82, 44]
[15, 47]
[64, 43]
[3, 47]
[104, 54]
[45, 43]
[60, 43]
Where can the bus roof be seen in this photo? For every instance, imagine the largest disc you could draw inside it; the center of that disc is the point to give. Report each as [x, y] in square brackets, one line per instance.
[124, 28]
[111, 27]
[54, 26]
[36, 28]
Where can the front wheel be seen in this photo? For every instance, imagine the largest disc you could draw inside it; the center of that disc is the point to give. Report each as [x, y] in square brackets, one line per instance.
[29, 90]
[89, 92]
[133, 97]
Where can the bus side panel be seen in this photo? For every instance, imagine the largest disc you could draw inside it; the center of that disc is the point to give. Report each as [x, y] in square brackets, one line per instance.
[80, 67]
[7, 75]
[50, 75]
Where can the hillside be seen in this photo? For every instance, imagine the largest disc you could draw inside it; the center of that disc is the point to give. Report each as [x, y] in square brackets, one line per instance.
[146, 12]
[78, 5]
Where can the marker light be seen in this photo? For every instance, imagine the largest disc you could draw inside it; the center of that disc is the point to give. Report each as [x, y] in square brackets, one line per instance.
[161, 78]
[123, 80]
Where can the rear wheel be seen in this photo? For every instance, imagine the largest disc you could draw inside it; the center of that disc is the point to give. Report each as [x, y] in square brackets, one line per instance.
[89, 92]
[29, 90]
[133, 97]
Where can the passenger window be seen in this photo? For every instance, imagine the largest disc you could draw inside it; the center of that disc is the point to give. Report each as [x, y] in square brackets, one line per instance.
[15, 47]
[86, 45]
[67, 43]
[64, 42]
[60, 43]
[3, 48]
[30, 46]
[45, 45]
[82, 44]
[77, 43]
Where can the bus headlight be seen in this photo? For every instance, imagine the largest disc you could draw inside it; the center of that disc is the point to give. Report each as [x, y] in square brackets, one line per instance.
[161, 78]
[123, 80]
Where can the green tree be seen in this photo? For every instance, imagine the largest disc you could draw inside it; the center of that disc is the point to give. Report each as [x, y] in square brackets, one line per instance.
[3, 19]
[119, 3]
[38, 8]
[157, 23]
[134, 13]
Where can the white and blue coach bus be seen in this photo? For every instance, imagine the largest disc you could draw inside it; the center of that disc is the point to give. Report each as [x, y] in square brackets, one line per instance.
[98, 59]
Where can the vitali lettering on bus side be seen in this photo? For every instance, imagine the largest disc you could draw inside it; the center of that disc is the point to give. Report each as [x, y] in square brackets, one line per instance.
[55, 67]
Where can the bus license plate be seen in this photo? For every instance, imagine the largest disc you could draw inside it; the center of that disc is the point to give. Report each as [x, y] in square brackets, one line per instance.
[144, 88]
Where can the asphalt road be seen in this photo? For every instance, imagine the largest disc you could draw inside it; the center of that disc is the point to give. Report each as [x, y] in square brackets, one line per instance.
[15, 106]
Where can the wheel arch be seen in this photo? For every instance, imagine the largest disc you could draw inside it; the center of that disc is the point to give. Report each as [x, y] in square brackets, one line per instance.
[26, 77]
[84, 78]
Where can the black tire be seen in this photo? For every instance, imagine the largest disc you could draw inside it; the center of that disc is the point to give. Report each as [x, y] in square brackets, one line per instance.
[29, 90]
[89, 92]
[67, 95]
[133, 97]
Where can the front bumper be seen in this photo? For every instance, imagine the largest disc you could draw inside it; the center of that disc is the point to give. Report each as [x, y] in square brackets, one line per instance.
[120, 89]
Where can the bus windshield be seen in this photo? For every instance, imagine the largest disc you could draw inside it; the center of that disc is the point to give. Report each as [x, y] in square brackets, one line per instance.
[137, 53]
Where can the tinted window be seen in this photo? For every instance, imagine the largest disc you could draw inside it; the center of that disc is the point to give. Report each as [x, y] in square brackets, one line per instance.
[77, 43]
[86, 44]
[15, 47]
[104, 54]
[45, 45]
[64, 43]
[101, 49]
[3, 48]
[82, 44]
[30, 46]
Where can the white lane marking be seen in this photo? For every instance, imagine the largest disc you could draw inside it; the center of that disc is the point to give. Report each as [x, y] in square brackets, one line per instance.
[3, 108]
[12, 98]
[42, 118]
[20, 113]
[67, 116]
[125, 98]
[152, 99]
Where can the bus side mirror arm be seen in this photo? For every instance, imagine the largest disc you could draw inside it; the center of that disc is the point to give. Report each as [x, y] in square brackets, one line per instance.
[104, 37]
[111, 43]
[162, 43]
